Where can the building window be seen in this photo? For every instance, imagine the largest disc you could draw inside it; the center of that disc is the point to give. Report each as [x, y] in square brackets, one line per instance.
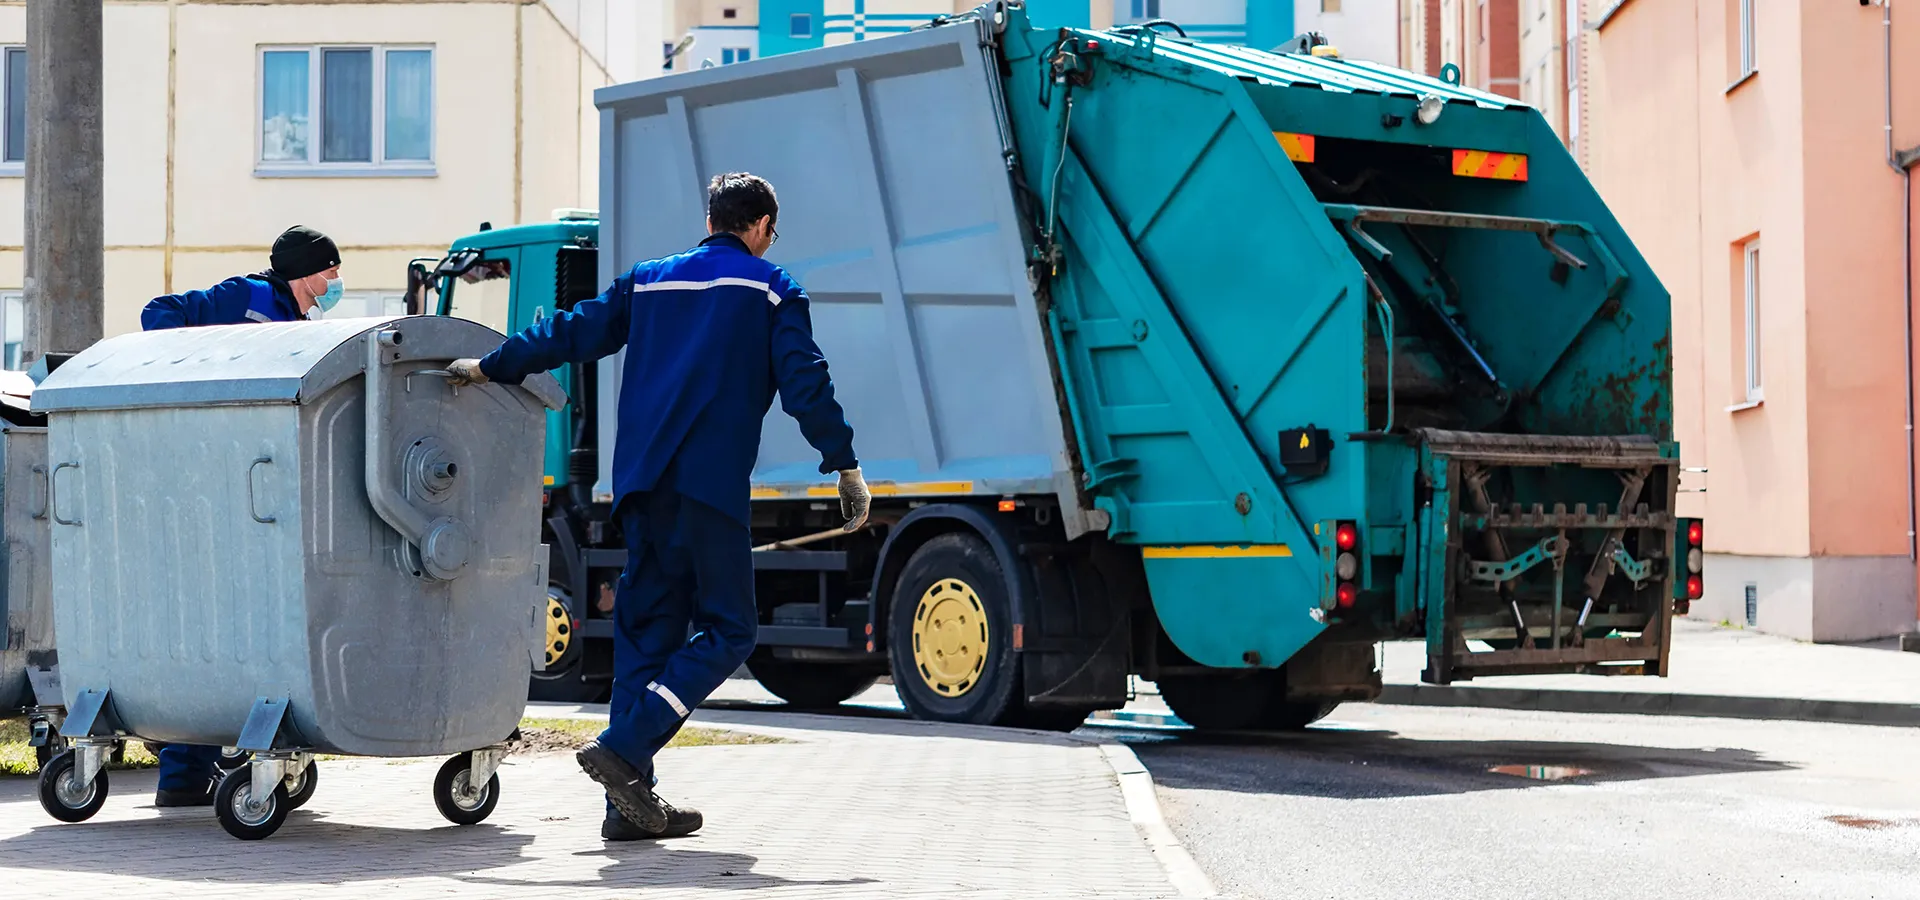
[354, 108]
[15, 123]
[355, 304]
[1146, 9]
[1749, 48]
[1329, 6]
[800, 25]
[729, 55]
[1750, 281]
[730, 13]
[13, 323]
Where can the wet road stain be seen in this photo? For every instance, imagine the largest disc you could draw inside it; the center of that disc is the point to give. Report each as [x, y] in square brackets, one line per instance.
[1541, 773]
[1868, 824]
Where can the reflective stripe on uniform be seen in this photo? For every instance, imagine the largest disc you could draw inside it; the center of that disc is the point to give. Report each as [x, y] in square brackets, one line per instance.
[668, 696]
[257, 316]
[772, 297]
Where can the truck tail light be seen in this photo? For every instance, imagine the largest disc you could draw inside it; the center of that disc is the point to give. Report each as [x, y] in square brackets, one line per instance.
[1346, 564]
[1690, 559]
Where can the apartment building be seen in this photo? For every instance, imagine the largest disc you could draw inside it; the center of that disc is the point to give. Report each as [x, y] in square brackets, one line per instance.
[728, 31]
[1748, 150]
[395, 126]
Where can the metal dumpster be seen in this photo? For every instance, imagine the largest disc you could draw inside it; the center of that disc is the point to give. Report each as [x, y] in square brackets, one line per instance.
[29, 680]
[294, 538]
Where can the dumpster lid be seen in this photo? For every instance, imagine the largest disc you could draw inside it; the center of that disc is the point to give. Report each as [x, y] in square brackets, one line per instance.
[275, 362]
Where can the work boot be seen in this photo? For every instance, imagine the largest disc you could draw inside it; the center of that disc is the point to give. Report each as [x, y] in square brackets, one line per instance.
[627, 789]
[165, 799]
[680, 823]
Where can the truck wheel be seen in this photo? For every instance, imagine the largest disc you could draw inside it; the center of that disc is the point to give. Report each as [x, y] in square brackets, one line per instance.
[950, 641]
[1295, 715]
[1254, 701]
[808, 685]
[560, 681]
[1219, 702]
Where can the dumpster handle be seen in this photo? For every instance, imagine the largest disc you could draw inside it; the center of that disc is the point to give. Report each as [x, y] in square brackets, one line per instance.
[252, 507]
[442, 544]
[53, 479]
[46, 492]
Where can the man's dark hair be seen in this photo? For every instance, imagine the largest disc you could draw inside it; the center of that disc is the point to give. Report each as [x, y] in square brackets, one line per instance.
[736, 200]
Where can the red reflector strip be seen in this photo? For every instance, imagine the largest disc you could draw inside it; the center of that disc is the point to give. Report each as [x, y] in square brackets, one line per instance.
[1488, 164]
[1299, 147]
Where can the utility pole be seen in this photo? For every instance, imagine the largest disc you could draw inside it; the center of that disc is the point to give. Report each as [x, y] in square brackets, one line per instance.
[66, 213]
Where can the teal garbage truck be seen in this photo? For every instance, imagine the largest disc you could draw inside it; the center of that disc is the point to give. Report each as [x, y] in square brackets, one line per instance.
[1209, 365]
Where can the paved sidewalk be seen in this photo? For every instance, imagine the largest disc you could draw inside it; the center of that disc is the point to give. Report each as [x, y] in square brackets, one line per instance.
[851, 809]
[1725, 672]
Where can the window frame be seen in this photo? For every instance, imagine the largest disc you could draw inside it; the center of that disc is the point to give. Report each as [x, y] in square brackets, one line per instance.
[10, 167]
[8, 298]
[379, 165]
[1745, 14]
[1751, 299]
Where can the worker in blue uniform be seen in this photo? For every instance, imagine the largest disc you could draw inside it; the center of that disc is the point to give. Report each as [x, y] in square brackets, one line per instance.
[291, 289]
[303, 276]
[711, 335]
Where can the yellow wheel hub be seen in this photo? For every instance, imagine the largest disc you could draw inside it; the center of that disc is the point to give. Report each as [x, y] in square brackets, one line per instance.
[559, 630]
[950, 637]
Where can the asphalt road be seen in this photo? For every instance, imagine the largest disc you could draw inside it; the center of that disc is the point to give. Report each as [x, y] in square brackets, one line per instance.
[1402, 802]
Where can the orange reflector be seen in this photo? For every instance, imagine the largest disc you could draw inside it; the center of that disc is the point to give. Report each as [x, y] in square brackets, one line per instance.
[1299, 147]
[1019, 636]
[1488, 164]
[1006, 506]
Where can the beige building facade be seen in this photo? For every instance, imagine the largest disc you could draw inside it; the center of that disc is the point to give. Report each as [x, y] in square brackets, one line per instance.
[393, 126]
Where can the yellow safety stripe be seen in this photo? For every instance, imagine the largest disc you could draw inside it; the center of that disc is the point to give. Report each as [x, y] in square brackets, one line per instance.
[1217, 551]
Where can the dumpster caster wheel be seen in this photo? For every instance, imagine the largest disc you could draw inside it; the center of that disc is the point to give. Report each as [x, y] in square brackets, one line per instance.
[64, 797]
[244, 817]
[301, 790]
[456, 796]
[232, 758]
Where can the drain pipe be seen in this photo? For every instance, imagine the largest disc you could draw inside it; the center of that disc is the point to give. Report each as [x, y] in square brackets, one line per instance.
[1903, 164]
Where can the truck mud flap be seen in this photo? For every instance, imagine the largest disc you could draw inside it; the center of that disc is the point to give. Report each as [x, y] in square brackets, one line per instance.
[1546, 554]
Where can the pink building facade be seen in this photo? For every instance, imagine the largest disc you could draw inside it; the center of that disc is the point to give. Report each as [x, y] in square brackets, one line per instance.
[1746, 149]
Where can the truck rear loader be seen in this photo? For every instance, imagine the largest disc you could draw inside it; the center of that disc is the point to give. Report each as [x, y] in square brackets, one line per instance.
[1199, 363]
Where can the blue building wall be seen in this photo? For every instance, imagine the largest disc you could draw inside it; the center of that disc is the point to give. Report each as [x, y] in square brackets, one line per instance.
[1269, 23]
[778, 25]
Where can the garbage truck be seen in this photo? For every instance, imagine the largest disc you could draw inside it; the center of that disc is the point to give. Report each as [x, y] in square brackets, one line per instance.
[1203, 364]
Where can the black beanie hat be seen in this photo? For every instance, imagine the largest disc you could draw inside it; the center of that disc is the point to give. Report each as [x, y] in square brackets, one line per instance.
[301, 251]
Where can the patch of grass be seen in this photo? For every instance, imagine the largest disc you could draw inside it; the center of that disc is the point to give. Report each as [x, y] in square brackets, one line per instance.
[537, 736]
[16, 756]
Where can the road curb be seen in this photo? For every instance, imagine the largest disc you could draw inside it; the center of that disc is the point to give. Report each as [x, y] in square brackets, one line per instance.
[1716, 706]
[1143, 807]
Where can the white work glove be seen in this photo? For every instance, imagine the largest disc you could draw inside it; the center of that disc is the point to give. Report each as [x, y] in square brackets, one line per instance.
[855, 502]
[465, 371]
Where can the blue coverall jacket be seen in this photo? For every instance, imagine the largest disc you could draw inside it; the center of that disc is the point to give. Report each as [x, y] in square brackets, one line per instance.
[712, 335]
[243, 298]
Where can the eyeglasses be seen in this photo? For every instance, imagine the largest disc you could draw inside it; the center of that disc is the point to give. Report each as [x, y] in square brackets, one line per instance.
[773, 235]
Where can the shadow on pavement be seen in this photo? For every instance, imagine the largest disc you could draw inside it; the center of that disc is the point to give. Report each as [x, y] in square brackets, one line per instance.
[659, 864]
[335, 852]
[1359, 764]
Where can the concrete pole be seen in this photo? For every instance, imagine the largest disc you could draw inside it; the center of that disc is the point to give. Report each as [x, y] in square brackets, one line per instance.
[66, 217]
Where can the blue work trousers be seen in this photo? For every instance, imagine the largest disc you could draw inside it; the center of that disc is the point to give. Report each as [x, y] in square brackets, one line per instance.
[689, 571]
[186, 767]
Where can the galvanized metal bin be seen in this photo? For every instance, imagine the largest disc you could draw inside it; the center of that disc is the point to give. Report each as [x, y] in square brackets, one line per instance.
[296, 537]
[28, 668]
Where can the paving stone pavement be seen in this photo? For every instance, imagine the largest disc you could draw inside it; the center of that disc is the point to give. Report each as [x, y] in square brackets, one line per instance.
[850, 809]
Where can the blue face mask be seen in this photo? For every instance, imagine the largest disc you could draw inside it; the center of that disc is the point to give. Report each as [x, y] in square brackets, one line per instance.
[330, 299]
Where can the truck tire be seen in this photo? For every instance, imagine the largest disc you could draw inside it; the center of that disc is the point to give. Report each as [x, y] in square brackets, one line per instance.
[808, 685]
[1254, 701]
[566, 655]
[951, 636]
